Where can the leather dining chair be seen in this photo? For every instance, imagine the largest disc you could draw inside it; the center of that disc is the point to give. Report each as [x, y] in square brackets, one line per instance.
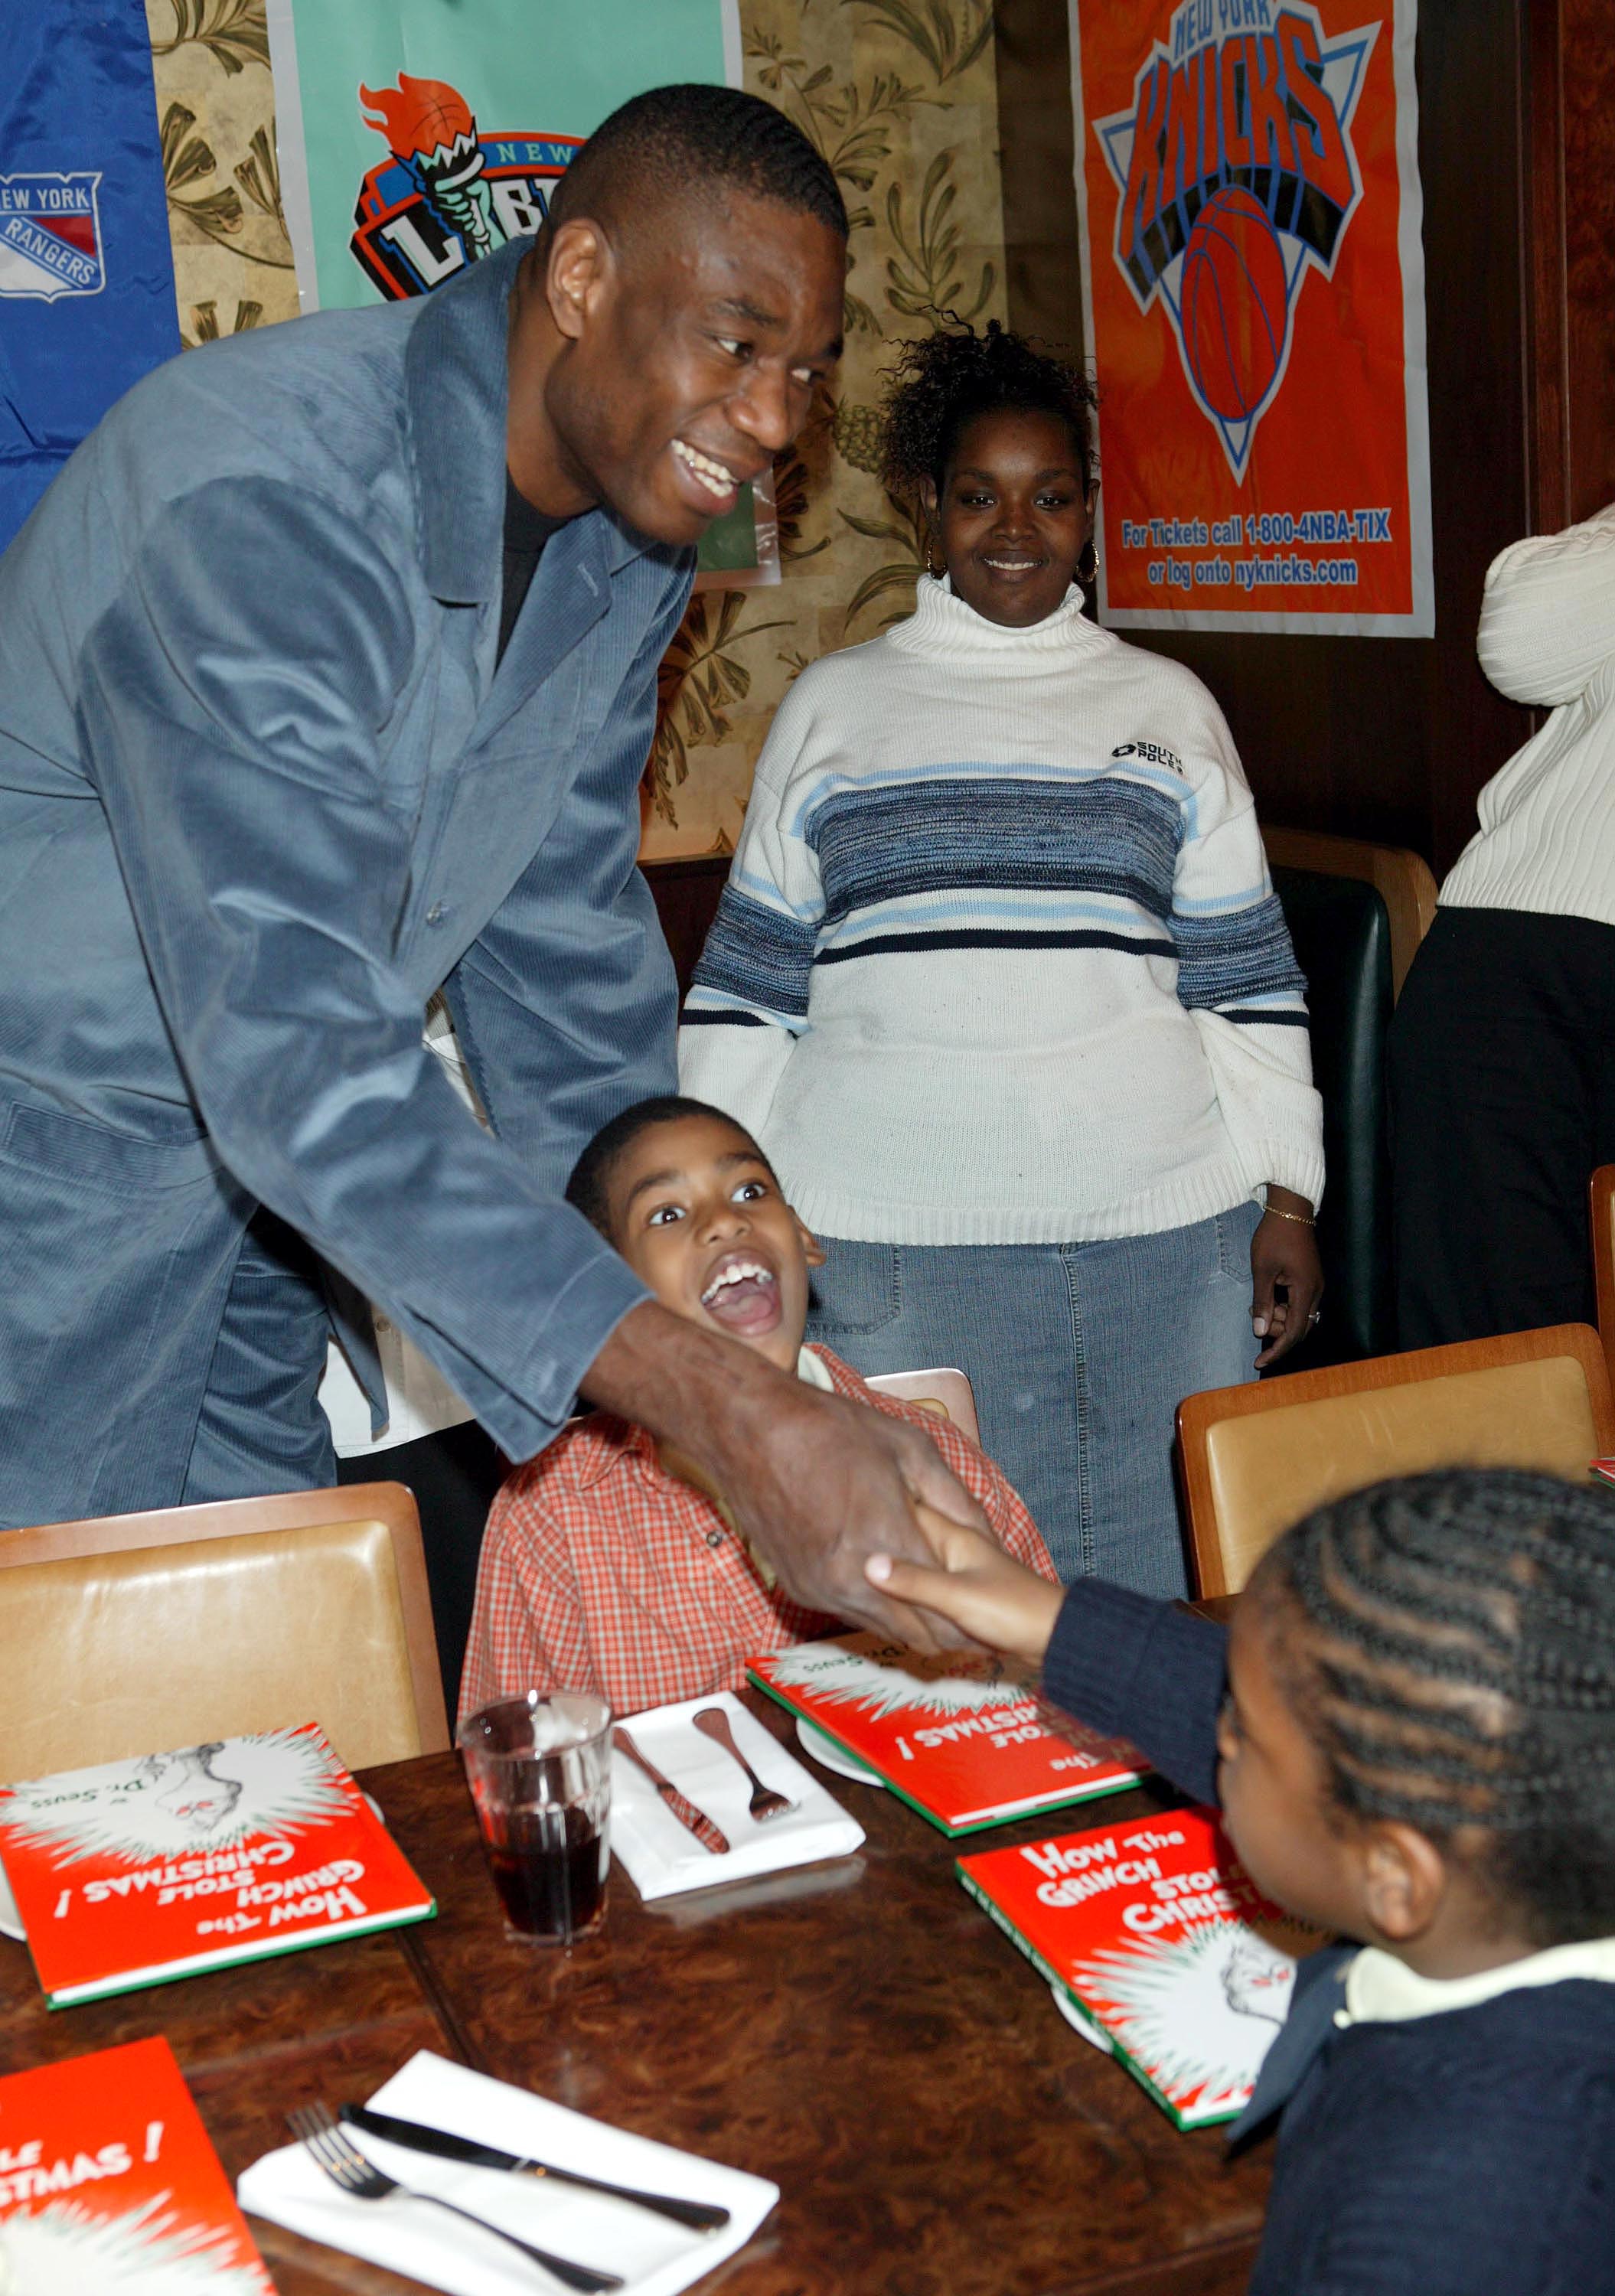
[948, 1393]
[1357, 913]
[136, 1633]
[1602, 1194]
[1254, 1459]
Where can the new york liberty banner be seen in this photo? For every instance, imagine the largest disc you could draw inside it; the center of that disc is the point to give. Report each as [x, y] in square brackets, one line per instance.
[1253, 290]
[416, 136]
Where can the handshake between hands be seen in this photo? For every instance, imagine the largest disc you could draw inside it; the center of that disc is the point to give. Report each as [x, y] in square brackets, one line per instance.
[974, 1584]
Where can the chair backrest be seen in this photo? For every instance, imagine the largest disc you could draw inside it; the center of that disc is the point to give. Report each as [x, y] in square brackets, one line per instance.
[947, 1393]
[1401, 878]
[1342, 943]
[1602, 1195]
[136, 1633]
[1257, 1458]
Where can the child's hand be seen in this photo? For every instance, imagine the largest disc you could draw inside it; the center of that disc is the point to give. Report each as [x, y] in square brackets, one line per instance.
[977, 1586]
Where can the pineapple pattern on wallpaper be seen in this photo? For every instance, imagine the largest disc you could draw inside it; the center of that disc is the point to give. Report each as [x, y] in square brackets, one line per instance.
[901, 97]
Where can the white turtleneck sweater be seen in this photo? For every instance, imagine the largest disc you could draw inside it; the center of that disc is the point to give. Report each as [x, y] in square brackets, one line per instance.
[1546, 840]
[999, 960]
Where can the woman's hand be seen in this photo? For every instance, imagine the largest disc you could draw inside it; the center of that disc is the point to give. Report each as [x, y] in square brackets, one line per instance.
[977, 1585]
[1284, 1259]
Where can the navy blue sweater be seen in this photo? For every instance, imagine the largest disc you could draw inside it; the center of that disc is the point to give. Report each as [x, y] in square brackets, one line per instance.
[1467, 2154]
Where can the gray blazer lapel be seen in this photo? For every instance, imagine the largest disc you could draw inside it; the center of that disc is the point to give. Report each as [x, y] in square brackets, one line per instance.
[571, 592]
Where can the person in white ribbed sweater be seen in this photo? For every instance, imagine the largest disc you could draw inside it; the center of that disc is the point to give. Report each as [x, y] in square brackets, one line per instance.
[999, 982]
[1503, 1051]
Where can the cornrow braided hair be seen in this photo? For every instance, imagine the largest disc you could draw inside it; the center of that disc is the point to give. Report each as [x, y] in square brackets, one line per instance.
[935, 387]
[1456, 1667]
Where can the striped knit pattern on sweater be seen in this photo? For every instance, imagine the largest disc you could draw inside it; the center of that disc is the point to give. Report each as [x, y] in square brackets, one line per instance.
[1546, 841]
[999, 960]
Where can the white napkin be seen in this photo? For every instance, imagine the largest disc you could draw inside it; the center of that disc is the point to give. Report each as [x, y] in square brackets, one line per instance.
[663, 1857]
[654, 2256]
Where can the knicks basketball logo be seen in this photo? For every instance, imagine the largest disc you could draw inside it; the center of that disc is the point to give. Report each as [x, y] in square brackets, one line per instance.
[1236, 177]
[446, 194]
[49, 236]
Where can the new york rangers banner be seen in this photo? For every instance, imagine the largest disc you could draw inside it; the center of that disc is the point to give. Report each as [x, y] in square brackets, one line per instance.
[86, 281]
[417, 136]
[1253, 289]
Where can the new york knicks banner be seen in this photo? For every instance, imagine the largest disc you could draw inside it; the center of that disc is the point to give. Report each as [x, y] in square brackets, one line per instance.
[1253, 288]
[416, 136]
[86, 281]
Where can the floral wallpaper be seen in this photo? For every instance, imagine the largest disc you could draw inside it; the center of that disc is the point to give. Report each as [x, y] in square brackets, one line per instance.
[900, 96]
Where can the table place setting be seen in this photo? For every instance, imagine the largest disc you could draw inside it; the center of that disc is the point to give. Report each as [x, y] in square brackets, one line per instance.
[626, 2240]
[721, 1778]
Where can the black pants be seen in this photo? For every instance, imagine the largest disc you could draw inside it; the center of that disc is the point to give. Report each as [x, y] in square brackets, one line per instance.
[453, 1475]
[1502, 1102]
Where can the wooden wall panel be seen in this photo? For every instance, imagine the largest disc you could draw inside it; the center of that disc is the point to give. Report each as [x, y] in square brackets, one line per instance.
[1383, 738]
[1588, 110]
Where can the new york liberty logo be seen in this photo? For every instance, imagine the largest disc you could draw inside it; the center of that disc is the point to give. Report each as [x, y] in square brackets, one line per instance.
[50, 235]
[446, 194]
[1237, 176]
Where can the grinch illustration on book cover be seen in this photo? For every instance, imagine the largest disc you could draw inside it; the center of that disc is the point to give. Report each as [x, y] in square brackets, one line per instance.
[166, 1805]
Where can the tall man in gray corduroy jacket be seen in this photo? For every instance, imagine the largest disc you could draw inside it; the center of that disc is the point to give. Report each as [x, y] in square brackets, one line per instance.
[267, 783]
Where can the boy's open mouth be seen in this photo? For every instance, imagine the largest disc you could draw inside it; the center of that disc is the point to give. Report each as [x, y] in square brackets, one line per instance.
[742, 1294]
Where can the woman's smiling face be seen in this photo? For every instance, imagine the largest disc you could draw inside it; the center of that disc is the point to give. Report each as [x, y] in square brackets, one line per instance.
[1013, 515]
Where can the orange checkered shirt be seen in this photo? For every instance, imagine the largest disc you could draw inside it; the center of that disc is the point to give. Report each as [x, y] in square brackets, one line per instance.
[603, 1573]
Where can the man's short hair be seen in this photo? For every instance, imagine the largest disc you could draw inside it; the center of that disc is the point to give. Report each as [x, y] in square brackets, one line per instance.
[589, 1188]
[692, 136]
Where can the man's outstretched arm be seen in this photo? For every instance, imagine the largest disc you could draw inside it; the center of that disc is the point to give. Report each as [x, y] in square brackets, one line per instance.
[818, 1483]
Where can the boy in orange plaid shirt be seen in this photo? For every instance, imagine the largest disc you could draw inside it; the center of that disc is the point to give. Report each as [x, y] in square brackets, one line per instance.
[607, 1567]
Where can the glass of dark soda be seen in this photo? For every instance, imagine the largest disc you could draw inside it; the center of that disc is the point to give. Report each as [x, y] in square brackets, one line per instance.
[540, 1775]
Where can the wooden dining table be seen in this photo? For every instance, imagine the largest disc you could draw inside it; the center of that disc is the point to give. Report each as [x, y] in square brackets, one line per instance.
[857, 2031]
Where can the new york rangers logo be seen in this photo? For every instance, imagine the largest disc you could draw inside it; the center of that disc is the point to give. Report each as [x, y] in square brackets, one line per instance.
[1236, 176]
[49, 236]
[446, 194]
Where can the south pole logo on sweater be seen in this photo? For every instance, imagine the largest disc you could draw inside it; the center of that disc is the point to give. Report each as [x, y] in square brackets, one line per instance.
[50, 235]
[1150, 753]
[447, 194]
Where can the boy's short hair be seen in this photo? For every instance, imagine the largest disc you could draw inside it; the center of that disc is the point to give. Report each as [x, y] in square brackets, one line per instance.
[588, 1190]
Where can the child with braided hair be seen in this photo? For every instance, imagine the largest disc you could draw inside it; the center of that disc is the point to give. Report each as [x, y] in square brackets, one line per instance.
[1410, 1728]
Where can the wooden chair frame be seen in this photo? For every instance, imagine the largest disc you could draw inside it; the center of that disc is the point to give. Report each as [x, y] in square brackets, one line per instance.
[387, 1504]
[1401, 878]
[1197, 1415]
[1601, 1198]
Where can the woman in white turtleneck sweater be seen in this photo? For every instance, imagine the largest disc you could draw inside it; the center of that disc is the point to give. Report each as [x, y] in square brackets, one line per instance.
[999, 982]
[1502, 1053]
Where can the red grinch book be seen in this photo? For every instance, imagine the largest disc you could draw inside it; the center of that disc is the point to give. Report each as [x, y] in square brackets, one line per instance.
[1604, 1468]
[1161, 1942]
[135, 1873]
[109, 2188]
[959, 1736]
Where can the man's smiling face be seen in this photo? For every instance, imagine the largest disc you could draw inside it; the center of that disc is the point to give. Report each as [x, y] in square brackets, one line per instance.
[698, 1215]
[693, 346]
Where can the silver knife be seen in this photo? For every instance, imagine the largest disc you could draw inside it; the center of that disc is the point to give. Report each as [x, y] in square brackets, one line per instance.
[700, 2215]
[694, 1821]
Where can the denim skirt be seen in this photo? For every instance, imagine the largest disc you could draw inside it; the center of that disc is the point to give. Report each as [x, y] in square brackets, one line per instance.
[1079, 1355]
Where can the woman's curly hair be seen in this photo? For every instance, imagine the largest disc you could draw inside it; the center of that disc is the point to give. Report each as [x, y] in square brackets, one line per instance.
[934, 388]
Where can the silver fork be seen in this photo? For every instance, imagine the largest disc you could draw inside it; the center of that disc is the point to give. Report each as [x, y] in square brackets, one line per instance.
[713, 1723]
[332, 2149]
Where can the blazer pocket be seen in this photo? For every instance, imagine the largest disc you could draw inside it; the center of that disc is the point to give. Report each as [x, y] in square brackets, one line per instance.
[70, 1149]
